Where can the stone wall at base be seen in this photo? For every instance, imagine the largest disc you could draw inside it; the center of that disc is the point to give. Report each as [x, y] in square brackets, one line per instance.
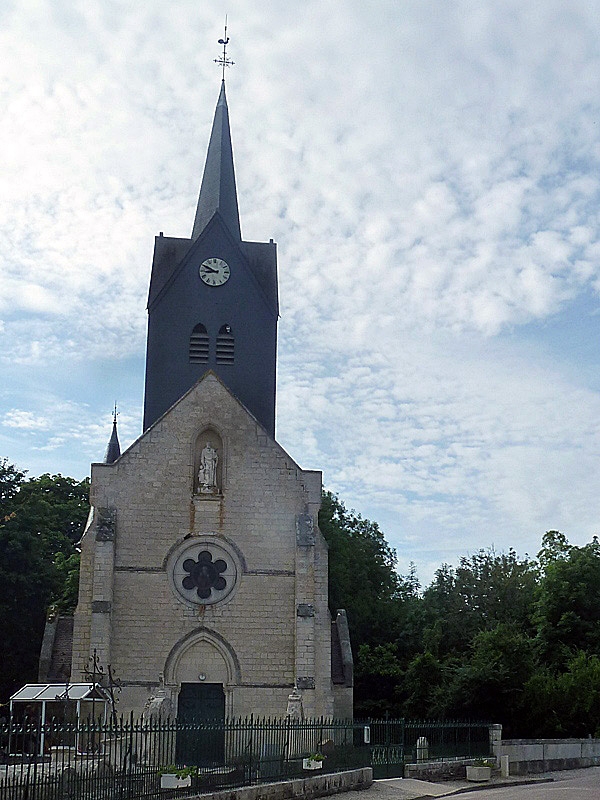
[533, 756]
[525, 757]
[305, 788]
[438, 770]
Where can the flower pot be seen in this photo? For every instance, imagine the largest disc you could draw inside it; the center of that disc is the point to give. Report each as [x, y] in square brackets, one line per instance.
[311, 763]
[479, 774]
[174, 782]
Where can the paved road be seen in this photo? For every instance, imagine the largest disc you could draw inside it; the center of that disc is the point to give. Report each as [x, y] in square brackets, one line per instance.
[580, 784]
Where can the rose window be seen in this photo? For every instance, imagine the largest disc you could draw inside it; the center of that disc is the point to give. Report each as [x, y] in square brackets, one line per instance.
[204, 575]
[203, 570]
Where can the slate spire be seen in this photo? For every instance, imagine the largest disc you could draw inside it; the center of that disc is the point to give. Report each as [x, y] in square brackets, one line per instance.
[113, 450]
[218, 192]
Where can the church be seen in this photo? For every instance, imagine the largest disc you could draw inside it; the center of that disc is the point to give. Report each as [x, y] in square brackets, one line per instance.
[204, 576]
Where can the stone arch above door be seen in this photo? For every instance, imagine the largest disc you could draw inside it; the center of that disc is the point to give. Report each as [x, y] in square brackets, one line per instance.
[202, 652]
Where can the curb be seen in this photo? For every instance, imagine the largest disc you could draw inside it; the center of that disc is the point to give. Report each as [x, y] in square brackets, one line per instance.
[503, 784]
[479, 786]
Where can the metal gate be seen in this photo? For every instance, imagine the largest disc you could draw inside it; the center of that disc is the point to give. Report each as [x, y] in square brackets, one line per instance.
[396, 742]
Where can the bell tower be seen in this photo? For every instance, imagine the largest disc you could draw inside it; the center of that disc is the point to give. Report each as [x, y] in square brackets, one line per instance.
[203, 551]
[213, 299]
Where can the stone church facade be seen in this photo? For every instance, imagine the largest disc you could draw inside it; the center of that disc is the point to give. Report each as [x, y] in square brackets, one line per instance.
[203, 570]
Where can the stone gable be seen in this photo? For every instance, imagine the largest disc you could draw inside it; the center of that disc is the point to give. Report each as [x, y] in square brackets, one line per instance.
[251, 633]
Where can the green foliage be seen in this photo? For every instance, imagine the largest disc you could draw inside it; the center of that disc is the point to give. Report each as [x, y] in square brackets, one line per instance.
[555, 547]
[10, 480]
[422, 687]
[362, 574]
[180, 772]
[28, 581]
[377, 674]
[68, 571]
[55, 508]
[41, 519]
[508, 639]
[488, 684]
[382, 606]
[565, 703]
[484, 590]
[568, 608]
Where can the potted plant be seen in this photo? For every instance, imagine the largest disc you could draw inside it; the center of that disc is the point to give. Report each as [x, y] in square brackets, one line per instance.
[172, 777]
[313, 761]
[481, 770]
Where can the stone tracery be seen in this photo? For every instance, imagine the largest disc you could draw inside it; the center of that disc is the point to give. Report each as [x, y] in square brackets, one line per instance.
[204, 574]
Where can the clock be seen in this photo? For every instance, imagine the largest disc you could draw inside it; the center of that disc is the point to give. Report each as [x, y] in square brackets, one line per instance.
[214, 271]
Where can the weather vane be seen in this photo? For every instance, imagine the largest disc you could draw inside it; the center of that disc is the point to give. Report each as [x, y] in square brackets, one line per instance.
[115, 412]
[224, 61]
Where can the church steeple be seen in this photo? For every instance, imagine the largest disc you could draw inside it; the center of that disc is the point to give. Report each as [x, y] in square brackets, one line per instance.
[218, 191]
[113, 450]
[212, 303]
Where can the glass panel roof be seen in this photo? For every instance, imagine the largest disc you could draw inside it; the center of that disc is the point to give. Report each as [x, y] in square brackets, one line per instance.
[38, 692]
[28, 692]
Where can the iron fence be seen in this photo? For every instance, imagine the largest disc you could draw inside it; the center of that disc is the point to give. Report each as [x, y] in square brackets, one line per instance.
[123, 759]
[395, 742]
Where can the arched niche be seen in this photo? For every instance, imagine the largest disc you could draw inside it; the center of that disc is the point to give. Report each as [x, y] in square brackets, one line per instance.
[208, 463]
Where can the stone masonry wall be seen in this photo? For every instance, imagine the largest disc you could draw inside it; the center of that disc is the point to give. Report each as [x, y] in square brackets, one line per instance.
[254, 641]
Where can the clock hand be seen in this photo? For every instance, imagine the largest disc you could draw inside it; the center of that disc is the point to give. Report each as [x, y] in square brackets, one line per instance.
[209, 269]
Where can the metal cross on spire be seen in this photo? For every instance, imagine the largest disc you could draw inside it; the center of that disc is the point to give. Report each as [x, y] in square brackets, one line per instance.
[224, 61]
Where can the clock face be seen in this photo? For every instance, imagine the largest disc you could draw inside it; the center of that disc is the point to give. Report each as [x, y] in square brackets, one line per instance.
[214, 271]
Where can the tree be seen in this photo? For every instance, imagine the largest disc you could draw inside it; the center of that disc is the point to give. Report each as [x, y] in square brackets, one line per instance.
[377, 673]
[486, 589]
[362, 574]
[10, 480]
[565, 703]
[422, 687]
[68, 571]
[489, 683]
[382, 606]
[56, 508]
[28, 581]
[41, 521]
[568, 608]
[555, 547]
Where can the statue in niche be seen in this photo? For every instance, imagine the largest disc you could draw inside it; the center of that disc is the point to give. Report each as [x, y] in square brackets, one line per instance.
[207, 474]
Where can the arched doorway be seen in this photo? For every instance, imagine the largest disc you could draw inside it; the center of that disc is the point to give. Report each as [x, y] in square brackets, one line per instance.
[203, 669]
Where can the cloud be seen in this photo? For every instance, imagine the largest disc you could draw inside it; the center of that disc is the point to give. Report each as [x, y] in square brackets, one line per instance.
[25, 420]
[463, 446]
[431, 179]
[65, 438]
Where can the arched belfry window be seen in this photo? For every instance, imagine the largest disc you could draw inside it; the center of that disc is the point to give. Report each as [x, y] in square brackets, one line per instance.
[225, 345]
[199, 345]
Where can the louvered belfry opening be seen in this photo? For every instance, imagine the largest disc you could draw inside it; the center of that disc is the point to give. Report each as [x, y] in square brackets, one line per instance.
[225, 345]
[199, 345]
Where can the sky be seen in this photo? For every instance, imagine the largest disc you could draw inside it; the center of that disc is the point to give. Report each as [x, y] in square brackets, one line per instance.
[430, 172]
